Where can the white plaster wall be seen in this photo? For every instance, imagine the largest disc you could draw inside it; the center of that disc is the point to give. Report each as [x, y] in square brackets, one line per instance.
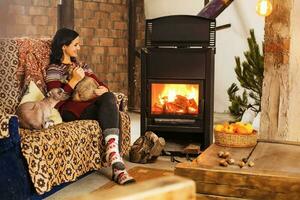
[231, 42]
[158, 8]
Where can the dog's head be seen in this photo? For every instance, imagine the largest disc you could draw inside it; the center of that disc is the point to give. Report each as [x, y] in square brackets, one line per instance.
[58, 94]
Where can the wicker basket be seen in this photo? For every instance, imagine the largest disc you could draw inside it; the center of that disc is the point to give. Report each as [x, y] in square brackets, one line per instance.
[235, 140]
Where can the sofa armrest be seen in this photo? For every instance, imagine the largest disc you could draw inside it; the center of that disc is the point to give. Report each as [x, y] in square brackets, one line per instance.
[122, 101]
[14, 180]
[5, 123]
[9, 131]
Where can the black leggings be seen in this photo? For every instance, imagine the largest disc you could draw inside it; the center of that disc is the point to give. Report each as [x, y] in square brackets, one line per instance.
[104, 110]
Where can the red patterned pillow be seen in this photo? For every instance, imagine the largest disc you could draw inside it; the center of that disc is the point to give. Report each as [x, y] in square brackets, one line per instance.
[33, 61]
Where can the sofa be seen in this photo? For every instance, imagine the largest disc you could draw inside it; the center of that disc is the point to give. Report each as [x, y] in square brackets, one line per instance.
[36, 163]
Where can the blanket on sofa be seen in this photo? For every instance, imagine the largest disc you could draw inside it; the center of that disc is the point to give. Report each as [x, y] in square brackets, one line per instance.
[58, 157]
[33, 57]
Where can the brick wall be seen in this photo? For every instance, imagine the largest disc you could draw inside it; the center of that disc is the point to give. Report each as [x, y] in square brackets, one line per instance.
[32, 18]
[102, 25]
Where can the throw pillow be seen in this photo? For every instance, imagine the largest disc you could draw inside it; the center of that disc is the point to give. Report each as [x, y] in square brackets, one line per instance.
[33, 93]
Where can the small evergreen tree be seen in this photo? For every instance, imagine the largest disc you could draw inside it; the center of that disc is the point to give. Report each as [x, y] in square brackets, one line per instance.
[250, 75]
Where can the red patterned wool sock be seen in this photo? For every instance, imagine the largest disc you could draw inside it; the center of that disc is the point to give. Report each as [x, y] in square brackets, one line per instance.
[120, 175]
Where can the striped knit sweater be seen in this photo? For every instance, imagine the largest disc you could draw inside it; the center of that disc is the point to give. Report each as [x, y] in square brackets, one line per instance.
[57, 76]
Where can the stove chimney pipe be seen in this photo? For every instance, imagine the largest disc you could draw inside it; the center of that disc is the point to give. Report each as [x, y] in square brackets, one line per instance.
[214, 8]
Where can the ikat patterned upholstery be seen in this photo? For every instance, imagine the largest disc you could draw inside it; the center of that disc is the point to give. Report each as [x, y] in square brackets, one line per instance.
[9, 87]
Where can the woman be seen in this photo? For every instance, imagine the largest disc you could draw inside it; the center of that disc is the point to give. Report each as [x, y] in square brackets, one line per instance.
[64, 49]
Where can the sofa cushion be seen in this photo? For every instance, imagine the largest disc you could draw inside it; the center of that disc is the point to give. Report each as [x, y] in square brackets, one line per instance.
[9, 87]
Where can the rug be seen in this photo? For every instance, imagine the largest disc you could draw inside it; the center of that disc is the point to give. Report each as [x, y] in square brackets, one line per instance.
[140, 174]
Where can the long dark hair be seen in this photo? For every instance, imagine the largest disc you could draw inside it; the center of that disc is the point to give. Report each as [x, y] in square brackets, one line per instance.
[63, 36]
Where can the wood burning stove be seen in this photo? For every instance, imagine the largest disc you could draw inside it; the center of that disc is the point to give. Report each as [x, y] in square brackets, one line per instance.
[178, 78]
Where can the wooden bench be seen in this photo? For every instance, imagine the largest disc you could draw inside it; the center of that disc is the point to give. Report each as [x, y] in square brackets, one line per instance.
[275, 175]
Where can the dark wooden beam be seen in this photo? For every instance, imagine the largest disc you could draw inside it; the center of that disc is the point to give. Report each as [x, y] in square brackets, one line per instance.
[65, 14]
[131, 53]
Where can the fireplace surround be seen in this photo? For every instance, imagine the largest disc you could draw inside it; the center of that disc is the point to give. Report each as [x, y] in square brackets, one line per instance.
[178, 78]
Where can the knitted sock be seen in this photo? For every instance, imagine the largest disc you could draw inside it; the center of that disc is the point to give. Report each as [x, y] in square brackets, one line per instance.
[120, 175]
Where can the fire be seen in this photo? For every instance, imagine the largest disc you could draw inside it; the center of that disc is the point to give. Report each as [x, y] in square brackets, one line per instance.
[175, 98]
[171, 90]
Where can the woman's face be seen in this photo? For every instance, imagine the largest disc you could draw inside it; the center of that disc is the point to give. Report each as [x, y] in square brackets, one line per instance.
[72, 49]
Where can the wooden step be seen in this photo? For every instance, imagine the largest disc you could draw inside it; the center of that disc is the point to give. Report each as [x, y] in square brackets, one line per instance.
[275, 175]
[215, 197]
[168, 187]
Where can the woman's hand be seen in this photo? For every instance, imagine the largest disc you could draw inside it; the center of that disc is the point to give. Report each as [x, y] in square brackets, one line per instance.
[77, 75]
[100, 90]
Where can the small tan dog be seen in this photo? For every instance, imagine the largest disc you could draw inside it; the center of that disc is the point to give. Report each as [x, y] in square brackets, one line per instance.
[85, 89]
[35, 115]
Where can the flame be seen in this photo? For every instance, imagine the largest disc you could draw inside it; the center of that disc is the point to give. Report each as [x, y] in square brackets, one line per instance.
[171, 90]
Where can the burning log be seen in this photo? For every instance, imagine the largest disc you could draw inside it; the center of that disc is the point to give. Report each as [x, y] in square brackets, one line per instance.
[180, 105]
[181, 101]
[170, 107]
[192, 110]
[157, 109]
[193, 107]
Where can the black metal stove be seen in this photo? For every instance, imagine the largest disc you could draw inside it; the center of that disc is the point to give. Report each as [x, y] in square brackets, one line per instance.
[178, 78]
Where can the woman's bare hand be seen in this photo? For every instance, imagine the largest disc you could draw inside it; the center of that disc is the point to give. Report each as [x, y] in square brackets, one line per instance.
[77, 75]
[100, 90]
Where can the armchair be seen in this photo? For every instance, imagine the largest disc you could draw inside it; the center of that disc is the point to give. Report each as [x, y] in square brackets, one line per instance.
[36, 161]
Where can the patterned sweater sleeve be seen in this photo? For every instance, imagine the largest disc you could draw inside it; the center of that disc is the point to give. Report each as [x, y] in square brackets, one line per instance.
[55, 78]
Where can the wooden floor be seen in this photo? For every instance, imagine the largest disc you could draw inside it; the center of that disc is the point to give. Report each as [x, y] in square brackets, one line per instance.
[275, 175]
